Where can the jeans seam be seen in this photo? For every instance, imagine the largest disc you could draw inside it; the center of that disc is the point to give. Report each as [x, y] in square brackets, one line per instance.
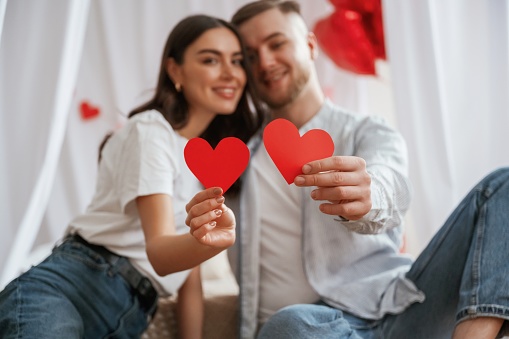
[19, 312]
[476, 262]
[483, 310]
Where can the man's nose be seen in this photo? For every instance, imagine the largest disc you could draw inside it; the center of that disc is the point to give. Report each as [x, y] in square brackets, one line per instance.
[265, 59]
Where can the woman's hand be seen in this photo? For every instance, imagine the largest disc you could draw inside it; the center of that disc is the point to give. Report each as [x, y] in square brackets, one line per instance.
[211, 222]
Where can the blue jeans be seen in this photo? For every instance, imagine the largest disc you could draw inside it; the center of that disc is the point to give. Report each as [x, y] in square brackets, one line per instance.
[464, 273]
[74, 293]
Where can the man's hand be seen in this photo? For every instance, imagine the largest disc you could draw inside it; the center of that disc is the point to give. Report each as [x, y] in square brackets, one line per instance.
[210, 221]
[342, 181]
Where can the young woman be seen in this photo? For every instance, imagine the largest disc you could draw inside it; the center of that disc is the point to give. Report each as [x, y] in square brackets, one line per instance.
[131, 244]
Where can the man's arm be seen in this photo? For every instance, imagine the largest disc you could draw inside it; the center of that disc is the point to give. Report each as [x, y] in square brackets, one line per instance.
[369, 190]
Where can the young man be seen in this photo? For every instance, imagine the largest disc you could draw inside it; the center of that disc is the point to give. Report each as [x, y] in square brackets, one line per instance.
[320, 259]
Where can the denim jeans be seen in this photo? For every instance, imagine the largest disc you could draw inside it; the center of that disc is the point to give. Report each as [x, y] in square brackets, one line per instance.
[74, 293]
[464, 273]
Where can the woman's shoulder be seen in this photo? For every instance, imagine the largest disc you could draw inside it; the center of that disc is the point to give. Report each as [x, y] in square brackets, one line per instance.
[149, 122]
[151, 117]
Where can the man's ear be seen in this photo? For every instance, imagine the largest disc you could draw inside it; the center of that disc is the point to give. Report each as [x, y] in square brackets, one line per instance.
[174, 71]
[313, 45]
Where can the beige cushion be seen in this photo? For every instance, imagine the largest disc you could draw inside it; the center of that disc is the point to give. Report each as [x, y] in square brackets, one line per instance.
[221, 305]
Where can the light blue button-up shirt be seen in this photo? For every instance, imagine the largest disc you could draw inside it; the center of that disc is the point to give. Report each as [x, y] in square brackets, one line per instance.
[355, 266]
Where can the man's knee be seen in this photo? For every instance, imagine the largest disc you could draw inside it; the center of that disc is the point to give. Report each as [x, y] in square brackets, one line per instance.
[307, 321]
[500, 176]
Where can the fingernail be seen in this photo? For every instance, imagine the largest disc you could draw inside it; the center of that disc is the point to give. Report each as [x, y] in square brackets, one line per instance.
[220, 199]
[216, 191]
[299, 180]
[313, 194]
[306, 169]
[218, 212]
[212, 223]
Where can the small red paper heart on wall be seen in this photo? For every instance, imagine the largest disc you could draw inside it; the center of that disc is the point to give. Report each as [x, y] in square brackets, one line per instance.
[88, 111]
[217, 167]
[290, 151]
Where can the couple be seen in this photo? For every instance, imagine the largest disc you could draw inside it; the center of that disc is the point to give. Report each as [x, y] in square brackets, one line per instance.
[317, 259]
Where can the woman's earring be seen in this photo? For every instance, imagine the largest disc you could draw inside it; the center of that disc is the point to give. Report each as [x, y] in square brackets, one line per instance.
[178, 87]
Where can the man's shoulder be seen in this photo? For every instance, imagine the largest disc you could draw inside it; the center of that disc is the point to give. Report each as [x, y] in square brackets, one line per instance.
[336, 113]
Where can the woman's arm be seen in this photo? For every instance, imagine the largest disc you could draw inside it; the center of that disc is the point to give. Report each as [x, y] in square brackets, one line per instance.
[212, 227]
[190, 310]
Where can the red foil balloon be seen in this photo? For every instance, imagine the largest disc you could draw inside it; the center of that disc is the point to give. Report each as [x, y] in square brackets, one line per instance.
[352, 36]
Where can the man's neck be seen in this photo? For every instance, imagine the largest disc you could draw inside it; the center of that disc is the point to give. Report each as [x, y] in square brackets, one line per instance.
[303, 108]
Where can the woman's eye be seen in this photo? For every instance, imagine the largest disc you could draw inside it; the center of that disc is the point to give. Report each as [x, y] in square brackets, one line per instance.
[237, 62]
[210, 61]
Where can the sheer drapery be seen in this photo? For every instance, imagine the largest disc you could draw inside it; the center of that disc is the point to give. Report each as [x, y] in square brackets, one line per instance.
[450, 73]
[448, 95]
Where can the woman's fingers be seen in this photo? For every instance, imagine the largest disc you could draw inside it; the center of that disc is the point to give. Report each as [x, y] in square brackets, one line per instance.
[209, 193]
[202, 219]
[202, 203]
[203, 230]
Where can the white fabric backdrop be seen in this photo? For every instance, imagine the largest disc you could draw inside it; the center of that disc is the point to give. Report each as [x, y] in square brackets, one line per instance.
[446, 79]
[450, 69]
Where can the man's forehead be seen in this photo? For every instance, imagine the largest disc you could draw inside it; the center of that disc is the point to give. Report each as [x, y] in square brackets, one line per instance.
[270, 24]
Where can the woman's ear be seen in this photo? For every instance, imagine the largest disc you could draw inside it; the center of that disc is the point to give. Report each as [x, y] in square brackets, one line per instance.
[174, 71]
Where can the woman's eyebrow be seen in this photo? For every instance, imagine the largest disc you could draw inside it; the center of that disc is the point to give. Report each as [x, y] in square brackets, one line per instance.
[216, 52]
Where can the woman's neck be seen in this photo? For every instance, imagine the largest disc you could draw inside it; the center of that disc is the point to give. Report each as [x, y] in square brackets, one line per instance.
[196, 125]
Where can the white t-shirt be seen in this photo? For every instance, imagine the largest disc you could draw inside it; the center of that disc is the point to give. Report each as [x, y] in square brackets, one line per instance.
[145, 157]
[282, 278]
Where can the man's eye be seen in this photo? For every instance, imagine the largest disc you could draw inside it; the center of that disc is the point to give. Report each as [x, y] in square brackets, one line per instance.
[252, 57]
[277, 44]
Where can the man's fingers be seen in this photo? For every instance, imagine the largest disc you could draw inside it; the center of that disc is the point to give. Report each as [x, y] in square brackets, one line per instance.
[340, 193]
[329, 179]
[334, 163]
[351, 210]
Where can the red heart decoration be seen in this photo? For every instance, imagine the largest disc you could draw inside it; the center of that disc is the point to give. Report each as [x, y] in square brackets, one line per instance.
[342, 37]
[352, 36]
[356, 5]
[290, 151]
[88, 111]
[217, 167]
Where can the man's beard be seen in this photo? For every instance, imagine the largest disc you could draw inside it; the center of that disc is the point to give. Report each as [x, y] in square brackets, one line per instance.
[292, 92]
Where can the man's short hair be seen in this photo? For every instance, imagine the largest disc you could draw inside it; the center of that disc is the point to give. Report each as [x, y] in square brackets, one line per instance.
[252, 9]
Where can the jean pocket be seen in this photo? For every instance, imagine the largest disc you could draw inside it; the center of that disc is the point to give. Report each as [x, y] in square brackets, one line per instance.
[131, 324]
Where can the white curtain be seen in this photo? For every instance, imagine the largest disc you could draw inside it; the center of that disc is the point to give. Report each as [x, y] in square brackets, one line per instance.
[450, 72]
[448, 95]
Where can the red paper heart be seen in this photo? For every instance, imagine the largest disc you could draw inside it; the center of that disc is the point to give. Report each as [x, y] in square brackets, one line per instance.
[88, 111]
[290, 151]
[217, 167]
